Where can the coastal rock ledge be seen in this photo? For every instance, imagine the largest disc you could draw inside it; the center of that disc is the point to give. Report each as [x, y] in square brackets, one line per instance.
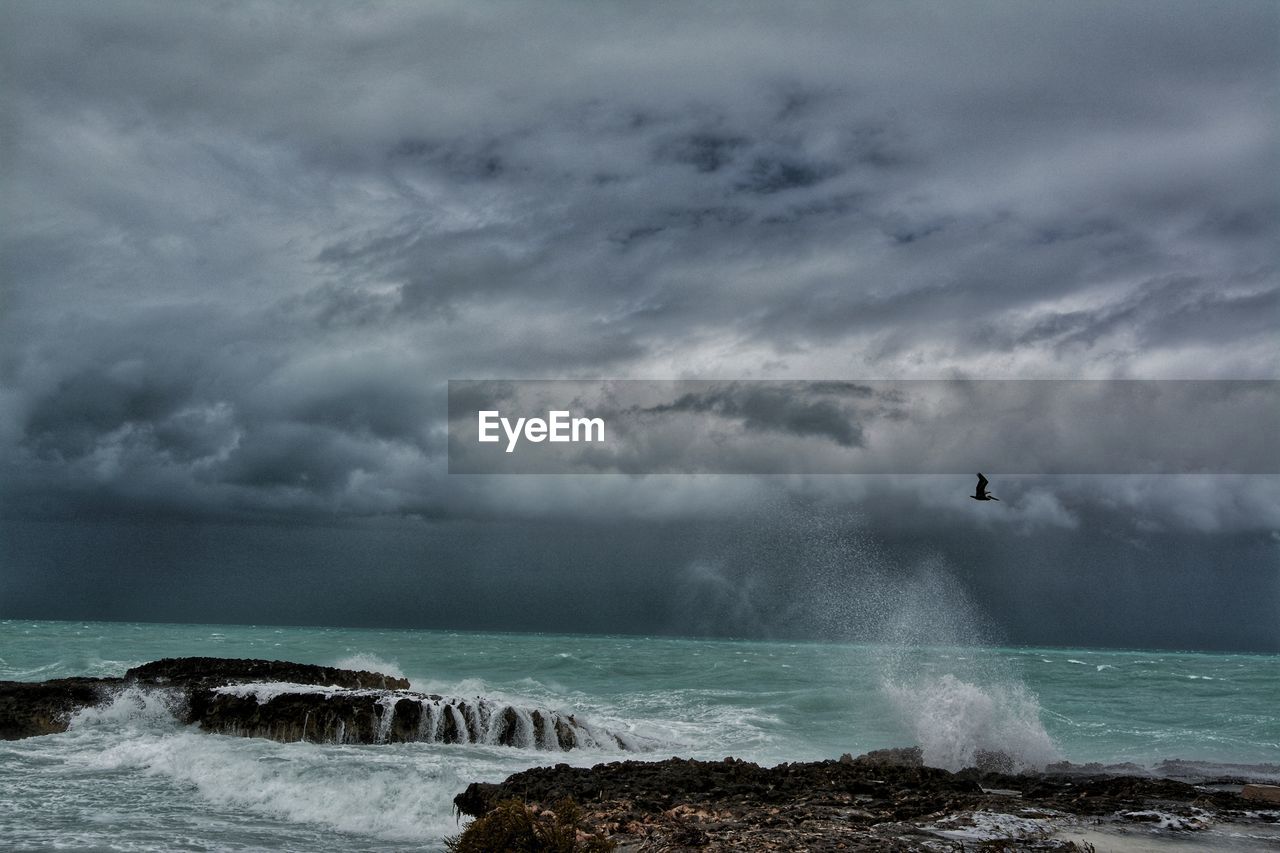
[883, 801]
[287, 701]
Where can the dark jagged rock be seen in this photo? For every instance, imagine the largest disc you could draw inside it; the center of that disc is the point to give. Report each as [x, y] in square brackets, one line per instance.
[912, 756]
[28, 709]
[210, 672]
[662, 784]
[1179, 768]
[382, 716]
[880, 801]
[288, 717]
[290, 701]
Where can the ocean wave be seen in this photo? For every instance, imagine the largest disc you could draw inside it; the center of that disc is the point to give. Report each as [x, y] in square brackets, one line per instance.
[386, 797]
[370, 663]
[955, 720]
[132, 707]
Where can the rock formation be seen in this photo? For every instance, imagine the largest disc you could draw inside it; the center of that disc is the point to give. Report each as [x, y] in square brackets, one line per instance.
[43, 708]
[289, 702]
[882, 801]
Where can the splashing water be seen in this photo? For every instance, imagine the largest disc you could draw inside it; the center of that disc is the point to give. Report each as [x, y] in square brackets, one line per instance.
[963, 703]
[370, 663]
[931, 643]
[954, 721]
[128, 767]
[133, 707]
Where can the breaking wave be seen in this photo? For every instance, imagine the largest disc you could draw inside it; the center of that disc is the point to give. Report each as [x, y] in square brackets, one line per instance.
[956, 721]
[370, 663]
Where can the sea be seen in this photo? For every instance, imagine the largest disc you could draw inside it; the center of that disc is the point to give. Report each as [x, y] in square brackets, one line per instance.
[128, 777]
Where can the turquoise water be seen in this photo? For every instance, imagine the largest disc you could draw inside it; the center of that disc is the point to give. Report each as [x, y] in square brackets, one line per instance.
[127, 777]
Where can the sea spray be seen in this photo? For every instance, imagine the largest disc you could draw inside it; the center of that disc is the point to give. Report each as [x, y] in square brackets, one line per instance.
[964, 702]
[157, 785]
[375, 795]
[148, 708]
[929, 640]
[371, 663]
[957, 701]
[954, 722]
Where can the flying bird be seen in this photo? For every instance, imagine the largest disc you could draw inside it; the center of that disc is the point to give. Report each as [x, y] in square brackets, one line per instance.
[980, 494]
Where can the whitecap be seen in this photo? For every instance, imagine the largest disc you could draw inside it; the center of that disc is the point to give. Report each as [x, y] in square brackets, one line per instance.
[370, 663]
[953, 720]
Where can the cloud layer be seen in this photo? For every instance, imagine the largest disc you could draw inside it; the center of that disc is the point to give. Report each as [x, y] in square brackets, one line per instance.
[244, 247]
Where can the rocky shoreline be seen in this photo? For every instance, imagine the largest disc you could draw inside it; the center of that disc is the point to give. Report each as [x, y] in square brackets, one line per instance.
[885, 800]
[288, 702]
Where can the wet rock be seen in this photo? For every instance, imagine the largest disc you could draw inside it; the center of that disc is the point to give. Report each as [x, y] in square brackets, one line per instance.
[28, 709]
[881, 801]
[1094, 768]
[665, 783]
[911, 756]
[1261, 793]
[208, 672]
[335, 715]
[1179, 768]
[288, 717]
[287, 701]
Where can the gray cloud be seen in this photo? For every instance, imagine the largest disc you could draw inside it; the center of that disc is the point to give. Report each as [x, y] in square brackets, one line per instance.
[243, 248]
[772, 409]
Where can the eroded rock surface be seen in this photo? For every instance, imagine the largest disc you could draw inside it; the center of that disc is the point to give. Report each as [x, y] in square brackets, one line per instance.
[41, 708]
[882, 801]
[214, 672]
[288, 701]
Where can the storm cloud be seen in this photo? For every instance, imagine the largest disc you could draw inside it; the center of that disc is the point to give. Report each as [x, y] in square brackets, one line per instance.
[244, 248]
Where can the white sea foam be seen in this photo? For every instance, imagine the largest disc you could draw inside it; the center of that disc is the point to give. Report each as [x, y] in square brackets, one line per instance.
[382, 795]
[370, 663]
[953, 720]
[992, 826]
[481, 714]
[950, 694]
[134, 767]
[131, 707]
[265, 691]
[1196, 821]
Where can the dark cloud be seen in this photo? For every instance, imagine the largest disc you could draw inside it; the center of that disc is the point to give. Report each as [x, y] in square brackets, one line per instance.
[242, 248]
[771, 409]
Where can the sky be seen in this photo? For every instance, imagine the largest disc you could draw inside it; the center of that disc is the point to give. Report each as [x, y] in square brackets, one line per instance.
[244, 246]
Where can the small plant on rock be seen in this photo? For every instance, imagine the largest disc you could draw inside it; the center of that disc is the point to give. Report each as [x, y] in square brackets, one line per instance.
[513, 826]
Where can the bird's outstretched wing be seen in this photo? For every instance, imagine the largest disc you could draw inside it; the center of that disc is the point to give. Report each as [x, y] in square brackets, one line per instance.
[982, 482]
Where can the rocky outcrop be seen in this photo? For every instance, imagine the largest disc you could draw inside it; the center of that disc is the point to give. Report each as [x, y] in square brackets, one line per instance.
[1262, 793]
[376, 716]
[882, 801]
[214, 672]
[909, 756]
[287, 701]
[28, 709]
